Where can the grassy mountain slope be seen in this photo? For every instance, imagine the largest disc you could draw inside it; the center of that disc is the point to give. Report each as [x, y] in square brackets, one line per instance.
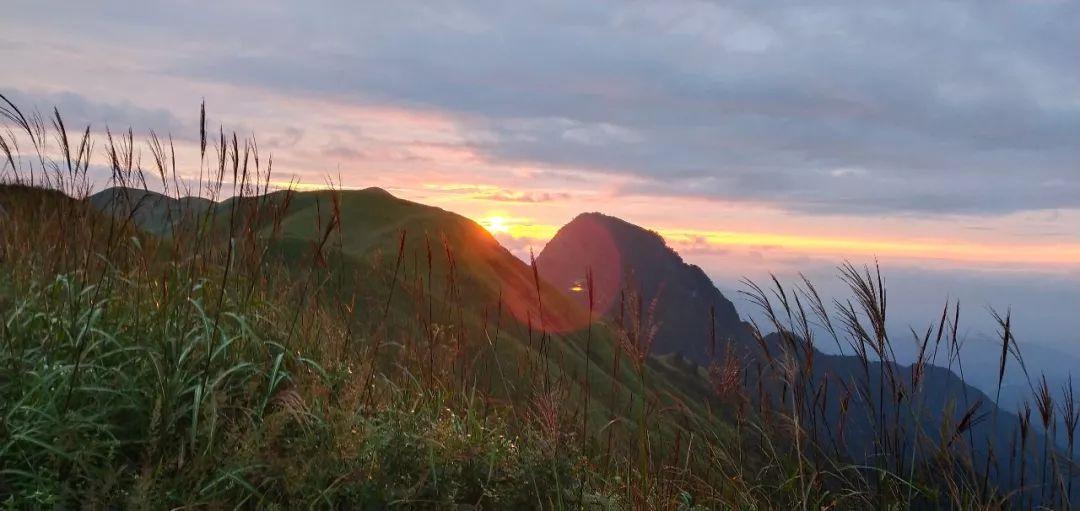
[470, 308]
[140, 375]
[352, 350]
[448, 348]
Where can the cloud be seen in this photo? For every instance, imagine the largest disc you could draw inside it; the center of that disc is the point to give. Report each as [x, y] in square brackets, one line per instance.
[850, 107]
[519, 196]
[499, 194]
[289, 137]
[79, 112]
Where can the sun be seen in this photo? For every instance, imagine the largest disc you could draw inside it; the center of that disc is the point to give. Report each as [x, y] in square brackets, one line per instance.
[496, 224]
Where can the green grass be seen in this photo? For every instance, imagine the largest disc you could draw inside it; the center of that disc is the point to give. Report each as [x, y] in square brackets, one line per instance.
[144, 374]
[125, 389]
[122, 408]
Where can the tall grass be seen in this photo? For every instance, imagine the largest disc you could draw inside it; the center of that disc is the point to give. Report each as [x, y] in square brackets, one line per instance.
[220, 363]
[198, 369]
[927, 438]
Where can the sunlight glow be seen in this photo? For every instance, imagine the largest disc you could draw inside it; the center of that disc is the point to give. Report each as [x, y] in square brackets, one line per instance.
[928, 250]
[495, 225]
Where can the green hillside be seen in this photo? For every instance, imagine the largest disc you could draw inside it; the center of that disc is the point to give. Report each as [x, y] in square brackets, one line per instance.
[481, 299]
[470, 319]
[348, 349]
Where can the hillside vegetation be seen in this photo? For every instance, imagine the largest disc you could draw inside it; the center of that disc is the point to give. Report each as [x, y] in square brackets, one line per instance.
[276, 349]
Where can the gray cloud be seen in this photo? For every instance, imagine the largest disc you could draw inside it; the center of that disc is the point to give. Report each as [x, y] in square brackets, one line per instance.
[851, 106]
[504, 196]
[78, 112]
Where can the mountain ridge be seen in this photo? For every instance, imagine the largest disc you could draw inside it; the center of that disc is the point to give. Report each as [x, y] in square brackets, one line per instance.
[443, 253]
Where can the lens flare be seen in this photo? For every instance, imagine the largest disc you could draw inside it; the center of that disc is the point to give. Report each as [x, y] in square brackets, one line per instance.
[496, 224]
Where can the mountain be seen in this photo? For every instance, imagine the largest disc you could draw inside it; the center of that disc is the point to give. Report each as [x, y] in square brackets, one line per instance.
[454, 277]
[440, 295]
[151, 211]
[372, 227]
[449, 275]
[980, 356]
[872, 399]
[680, 297]
[978, 360]
[376, 351]
[443, 253]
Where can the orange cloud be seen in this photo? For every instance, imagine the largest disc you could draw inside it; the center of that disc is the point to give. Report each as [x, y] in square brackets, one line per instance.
[936, 249]
[496, 193]
[1061, 254]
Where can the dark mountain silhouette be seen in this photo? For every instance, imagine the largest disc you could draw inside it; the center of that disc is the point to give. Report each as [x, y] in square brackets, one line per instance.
[681, 299]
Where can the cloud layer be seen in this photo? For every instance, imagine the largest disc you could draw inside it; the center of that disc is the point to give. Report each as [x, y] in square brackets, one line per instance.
[879, 106]
[935, 107]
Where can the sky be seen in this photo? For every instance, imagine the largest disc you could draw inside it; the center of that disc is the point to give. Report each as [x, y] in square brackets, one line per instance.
[937, 138]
